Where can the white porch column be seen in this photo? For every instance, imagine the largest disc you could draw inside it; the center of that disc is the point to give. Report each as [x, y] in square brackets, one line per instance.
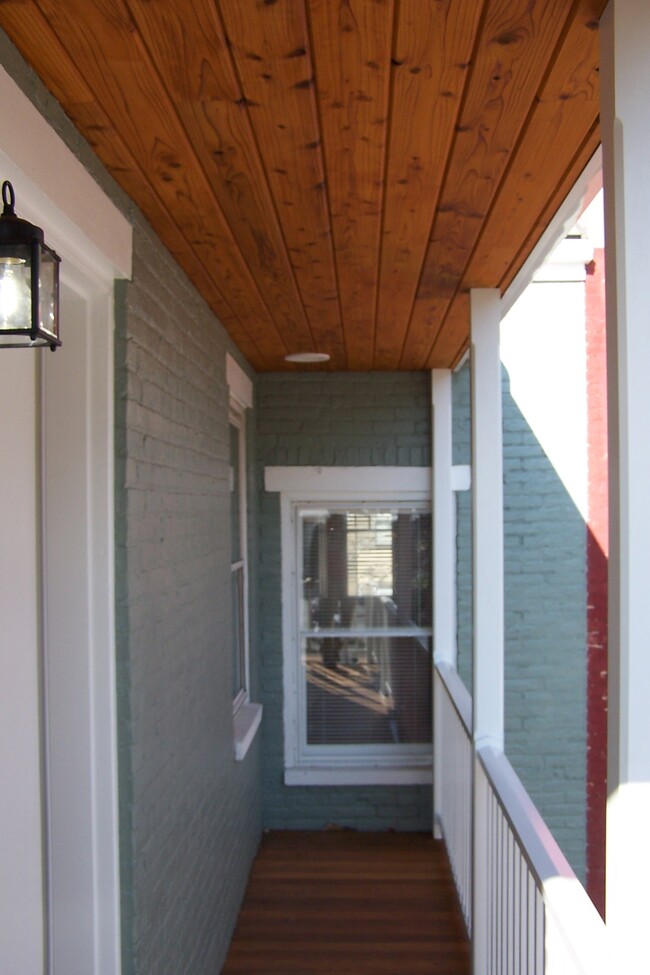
[487, 541]
[444, 560]
[487, 517]
[444, 517]
[625, 81]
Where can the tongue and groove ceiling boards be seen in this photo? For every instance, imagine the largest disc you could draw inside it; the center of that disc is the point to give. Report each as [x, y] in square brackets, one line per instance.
[333, 175]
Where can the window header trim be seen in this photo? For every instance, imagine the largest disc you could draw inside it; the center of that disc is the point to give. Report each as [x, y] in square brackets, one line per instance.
[350, 483]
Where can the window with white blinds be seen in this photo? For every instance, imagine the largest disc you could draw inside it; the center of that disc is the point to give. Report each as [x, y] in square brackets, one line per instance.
[363, 632]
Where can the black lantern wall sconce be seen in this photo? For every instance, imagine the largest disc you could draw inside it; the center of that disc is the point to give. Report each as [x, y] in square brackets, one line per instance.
[29, 282]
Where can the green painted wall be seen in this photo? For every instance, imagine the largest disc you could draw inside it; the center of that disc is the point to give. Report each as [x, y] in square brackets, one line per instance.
[358, 419]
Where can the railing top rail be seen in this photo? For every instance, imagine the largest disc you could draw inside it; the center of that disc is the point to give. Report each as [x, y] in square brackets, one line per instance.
[577, 920]
[544, 856]
[458, 694]
[576, 937]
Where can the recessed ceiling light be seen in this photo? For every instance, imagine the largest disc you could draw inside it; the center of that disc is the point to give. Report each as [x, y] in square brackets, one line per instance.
[307, 357]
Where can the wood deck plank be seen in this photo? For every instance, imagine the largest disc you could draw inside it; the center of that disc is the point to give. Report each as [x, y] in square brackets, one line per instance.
[350, 903]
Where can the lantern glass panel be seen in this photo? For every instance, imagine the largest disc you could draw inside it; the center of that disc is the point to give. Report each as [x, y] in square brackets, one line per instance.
[15, 290]
[47, 291]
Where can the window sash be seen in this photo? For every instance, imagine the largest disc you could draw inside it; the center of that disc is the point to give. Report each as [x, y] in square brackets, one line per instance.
[239, 563]
[391, 751]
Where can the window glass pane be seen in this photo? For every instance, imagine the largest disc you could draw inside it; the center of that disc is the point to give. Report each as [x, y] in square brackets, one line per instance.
[235, 492]
[366, 569]
[368, 690]
[238, 635]
[365, 624]
[47, 290]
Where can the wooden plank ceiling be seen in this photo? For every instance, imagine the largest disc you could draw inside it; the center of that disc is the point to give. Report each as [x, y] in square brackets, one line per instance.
[333, 175]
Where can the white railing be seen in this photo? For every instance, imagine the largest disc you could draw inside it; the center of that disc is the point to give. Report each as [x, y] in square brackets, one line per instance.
[454, 757]
[527, 911]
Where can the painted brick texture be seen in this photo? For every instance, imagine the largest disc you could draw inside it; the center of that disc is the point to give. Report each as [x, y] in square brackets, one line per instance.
[193, 814]
[330, 419]
[545, 633]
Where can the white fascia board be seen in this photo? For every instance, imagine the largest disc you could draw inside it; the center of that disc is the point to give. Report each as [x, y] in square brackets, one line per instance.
[55, 191]
[354, 483]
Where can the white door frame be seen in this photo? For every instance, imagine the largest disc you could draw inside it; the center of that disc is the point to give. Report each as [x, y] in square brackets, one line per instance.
[94, 241]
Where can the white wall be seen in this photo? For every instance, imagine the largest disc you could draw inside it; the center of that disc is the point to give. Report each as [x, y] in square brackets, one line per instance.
[543, 350]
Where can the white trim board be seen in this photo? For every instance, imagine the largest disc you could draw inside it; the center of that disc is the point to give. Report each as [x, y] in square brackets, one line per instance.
[356, 483]
[301, 482]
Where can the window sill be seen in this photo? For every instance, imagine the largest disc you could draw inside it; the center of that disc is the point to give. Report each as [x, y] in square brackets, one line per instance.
[354, 775]
[246, 721]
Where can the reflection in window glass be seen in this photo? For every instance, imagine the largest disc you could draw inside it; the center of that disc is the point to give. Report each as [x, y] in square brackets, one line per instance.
[365, 626]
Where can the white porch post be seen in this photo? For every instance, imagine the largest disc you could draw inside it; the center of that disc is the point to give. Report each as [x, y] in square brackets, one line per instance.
[444, 558]
[444, 516]
[487, 518]
[625, 80]
[487, 535]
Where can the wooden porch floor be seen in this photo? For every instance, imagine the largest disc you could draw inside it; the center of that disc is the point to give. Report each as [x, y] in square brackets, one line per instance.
[347, 903]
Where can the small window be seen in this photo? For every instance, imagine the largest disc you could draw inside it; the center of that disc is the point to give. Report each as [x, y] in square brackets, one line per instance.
[357, 635]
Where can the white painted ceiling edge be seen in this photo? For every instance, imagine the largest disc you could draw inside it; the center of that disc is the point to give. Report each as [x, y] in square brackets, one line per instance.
[55, 191]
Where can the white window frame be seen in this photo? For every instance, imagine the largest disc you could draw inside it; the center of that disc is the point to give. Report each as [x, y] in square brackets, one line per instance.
[336, 487]
[246, 715]
[237, 420]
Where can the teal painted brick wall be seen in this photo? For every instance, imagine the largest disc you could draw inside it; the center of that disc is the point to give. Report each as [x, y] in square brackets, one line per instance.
[329, 419]
[545, 621]
[194, 814]
[190, 817]
[545, 627]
